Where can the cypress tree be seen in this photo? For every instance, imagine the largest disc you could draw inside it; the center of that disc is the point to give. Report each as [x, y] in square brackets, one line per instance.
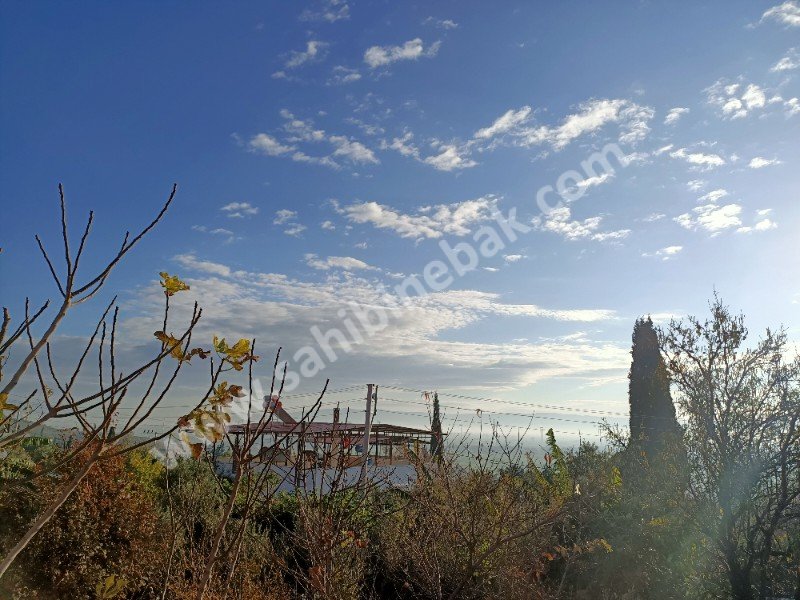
[654, 472]
[652, 413]
[436, 428]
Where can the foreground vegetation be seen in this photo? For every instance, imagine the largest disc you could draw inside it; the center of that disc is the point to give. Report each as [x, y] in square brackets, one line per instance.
[701, 499]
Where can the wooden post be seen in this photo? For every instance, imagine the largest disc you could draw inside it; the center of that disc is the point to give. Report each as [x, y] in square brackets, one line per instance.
[367, 428]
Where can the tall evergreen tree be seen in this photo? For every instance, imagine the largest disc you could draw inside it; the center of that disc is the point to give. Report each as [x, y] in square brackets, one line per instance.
[652, 413]
[649, 528]
[436, 427]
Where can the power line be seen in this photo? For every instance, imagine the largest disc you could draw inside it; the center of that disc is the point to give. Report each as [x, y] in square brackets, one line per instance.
[513, 402]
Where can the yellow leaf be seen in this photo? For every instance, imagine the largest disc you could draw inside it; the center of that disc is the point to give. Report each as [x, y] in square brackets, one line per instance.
[236, 355]
[170, 341]
[172, 284]
[5, 404]
[111, 587]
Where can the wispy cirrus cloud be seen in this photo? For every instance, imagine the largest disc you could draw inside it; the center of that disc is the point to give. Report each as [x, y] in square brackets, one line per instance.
[516, 127]
[632, 118]
[346, 263]
[229, 235]
[428, 222]
[699, 160]
[381, 56]
[589, 118]
[508, 121]
[440, 23]
[329, 11]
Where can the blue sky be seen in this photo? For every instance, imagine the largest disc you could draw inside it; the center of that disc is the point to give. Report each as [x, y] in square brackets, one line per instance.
[324, 150]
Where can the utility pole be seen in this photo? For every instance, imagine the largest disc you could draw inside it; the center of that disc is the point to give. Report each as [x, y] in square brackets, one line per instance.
[367, 428]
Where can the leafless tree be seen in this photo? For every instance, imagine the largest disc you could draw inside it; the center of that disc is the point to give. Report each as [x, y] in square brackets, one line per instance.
[741, 403]
[251, 478]
[96, 411]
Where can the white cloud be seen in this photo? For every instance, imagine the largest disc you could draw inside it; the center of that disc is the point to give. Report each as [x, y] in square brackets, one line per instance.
[203, 266]
[218, 231]
[315, 50]
[509, 121]
[711, 218]
[284, 215]
[653, 217]
[431, 222]
[239, 210]
[327, 10]
[299, 131]
[295, 229]
[512, 258]
[560, 221]
[354, 151]
[379, 56]
[759, 162]
[762, 225]
[347, 263]
[288, 218]
[327, 225]
[277, 309]
[695, 185]
[450, 158]
[735, 101]
[665, 253]
[713, 195]
[663, 149]
[441, 23]
[754, 97]
[787, 13]
[342, 75]
[325, 161]
[765, 224]
[589, 182]
[403, 145]
[699, 159]
[514, 128]
[788, 63]
[674, 115]
[592, 116]
[266, 144]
